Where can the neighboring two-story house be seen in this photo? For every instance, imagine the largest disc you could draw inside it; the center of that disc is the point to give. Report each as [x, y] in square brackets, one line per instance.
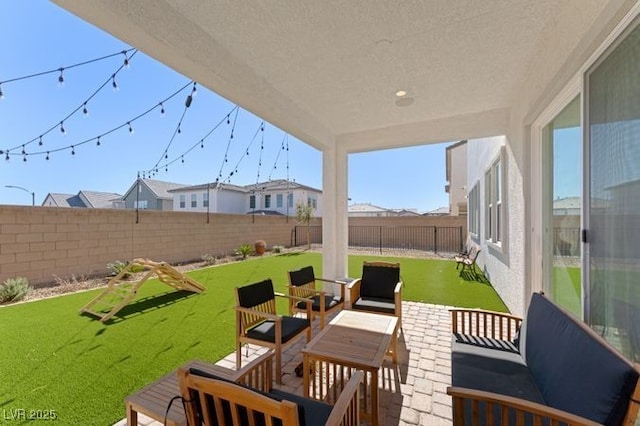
[150, 194]
[456, 170]
[282, 196]
[209, 197]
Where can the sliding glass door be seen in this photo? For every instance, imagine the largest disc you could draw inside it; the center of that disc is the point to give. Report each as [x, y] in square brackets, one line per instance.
[562, 139]
[612, 136]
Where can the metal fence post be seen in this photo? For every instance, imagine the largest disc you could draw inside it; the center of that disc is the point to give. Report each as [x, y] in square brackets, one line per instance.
[435, 240]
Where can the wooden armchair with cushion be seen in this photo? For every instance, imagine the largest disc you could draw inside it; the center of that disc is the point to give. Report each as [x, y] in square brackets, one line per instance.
[302, 283]
[249, 399]
[257, 321]
[379, 289]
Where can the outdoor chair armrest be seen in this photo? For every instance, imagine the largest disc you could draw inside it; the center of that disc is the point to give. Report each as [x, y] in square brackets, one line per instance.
[258, 374]
[265, 315]
[398, 288]
[482, 323]
[346, 410]
[521, 407]
[354, 289]
[327, 280]
[308, 302]
[307, 290]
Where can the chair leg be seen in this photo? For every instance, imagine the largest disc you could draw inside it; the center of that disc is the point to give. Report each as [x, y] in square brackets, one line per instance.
[279, 365]
[238, 354]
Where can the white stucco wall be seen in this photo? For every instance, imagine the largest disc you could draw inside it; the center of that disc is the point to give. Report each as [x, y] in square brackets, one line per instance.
[458, 184]
[502, 264]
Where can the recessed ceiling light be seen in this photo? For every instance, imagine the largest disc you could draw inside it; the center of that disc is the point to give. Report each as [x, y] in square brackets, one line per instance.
[401, 93]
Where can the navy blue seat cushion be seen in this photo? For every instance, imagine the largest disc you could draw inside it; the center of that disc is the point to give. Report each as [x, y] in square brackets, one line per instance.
[302, 276]
[374, 304]
[266, 330]
[487, 369]
[379, 281]
[574, 371]
[310, 411]
[329, 302]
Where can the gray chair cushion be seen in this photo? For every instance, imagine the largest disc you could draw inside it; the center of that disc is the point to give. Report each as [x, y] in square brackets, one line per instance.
[574, 371]
[266, 331]
[374, 304]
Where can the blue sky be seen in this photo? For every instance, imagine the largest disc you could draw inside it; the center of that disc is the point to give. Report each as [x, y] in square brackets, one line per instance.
[40, 37]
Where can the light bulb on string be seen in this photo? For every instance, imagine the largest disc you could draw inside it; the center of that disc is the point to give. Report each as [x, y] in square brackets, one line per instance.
[201, 143]
[61, 77]
[47, 158]
[182, 159]
[40, 141]
[6, 157]
[166, 169]
[194, 91]
[98, 141]
[179, 130]
[62, 130]
[24, 158]
[85, 111]
[231, 135]
[73, 150]
[166, 156]
[161, 109]
[130, 128]
[1, 92]
[228, 121]
[23, 151]
[114, 84]
[187, 102]
[126, 59]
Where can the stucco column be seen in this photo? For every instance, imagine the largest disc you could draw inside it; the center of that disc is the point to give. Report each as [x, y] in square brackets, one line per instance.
[335, 220]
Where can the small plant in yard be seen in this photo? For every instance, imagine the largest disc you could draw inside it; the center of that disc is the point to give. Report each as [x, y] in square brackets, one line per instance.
[14, 289]
[244, 250]
[277, 249]
[116, 267]
[209, 259]
[260, 246]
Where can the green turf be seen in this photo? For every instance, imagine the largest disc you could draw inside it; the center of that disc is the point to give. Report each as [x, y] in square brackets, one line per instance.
[52, 358]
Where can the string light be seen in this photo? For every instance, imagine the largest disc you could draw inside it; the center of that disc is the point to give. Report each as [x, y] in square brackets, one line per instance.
[47, 155]
[114, 84]
[161, 109]
[1, 92]
[194, 91]
[130, 128]
[23, 151]
[40, 141]
[98, 141]
[126, 59]
[62, 130]
[61, 77]
[85, 111]
[7, 156]
[73, 150]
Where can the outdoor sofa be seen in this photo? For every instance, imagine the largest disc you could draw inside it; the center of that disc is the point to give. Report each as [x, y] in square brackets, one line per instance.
[549, 368]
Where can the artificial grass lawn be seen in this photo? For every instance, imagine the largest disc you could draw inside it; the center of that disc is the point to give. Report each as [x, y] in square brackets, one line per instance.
[52, 358]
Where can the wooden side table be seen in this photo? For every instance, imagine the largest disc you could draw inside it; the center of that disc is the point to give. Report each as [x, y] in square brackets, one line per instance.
[154, 399]
[353, 340]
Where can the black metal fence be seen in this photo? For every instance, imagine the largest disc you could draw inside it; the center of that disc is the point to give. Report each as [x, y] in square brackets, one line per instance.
[384, 239]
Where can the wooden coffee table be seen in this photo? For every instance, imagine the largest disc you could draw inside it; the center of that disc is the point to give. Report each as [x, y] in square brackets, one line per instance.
[353, 340]
[154, 399]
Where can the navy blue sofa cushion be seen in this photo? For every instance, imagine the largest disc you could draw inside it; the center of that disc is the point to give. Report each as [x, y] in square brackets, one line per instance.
[574, 371]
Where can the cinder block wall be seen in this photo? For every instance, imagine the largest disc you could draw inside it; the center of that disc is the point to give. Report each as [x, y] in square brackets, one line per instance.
[44, 242]
[40, 243]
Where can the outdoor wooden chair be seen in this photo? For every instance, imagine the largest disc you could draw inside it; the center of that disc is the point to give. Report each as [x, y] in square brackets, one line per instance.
[257, 321]
[302, 283]
[468, 261]
[379, 290]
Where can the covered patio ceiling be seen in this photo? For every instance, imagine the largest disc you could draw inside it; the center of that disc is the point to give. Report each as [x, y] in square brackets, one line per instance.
[328, 71]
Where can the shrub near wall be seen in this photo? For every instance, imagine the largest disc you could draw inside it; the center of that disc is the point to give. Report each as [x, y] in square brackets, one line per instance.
[42, 242]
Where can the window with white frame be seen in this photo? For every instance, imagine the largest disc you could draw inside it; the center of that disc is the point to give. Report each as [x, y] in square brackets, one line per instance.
[142, 204]
[494, 196]
[205, 199]
[252, 201]
[279, 200]
[290, 200]
[267, 201]
[194, 200]
[183, 201]
[474, 210]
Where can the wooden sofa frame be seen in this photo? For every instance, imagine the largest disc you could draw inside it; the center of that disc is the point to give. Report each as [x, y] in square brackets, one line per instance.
[502, 326]
[256, 378]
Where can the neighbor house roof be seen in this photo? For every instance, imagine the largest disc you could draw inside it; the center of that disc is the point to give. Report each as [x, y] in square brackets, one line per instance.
[83, 199]
[440, 211]
[366, 207]
[279, 185]
[225, 186]
[158, 187]
[99, 200]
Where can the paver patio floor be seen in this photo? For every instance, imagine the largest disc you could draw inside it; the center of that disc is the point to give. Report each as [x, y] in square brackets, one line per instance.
[413, 392]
